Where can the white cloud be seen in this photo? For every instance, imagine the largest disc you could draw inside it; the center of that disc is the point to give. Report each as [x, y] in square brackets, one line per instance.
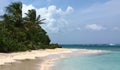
[95, 27]
[26, 8]
[69, 10]
[55, 17]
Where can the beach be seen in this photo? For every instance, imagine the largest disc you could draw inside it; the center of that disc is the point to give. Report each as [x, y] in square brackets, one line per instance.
[6, 58]
[48, 56]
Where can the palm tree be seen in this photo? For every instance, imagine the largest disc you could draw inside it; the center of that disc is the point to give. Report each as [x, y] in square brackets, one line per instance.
[14, 10]
[18, 33]
[13, 20]
[33, 18]
[32, 25]
[32, 21]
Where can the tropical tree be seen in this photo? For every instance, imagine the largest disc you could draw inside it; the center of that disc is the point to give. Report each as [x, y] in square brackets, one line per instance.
[33, 26]
[12, 36]
[14, 12]
[32, 19]
[20, 34]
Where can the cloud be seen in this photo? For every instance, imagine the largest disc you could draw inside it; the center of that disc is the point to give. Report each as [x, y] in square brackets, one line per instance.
[69, 10]
[95, 27]
[55, 17]
[26, 8]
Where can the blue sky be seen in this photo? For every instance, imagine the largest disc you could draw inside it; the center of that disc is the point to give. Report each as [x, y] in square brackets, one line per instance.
[77, 21]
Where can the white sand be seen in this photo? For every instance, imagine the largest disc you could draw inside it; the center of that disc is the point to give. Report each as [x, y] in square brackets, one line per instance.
[12, 57]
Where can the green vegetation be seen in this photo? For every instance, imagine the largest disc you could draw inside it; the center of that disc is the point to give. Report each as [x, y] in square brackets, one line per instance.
[21, 34]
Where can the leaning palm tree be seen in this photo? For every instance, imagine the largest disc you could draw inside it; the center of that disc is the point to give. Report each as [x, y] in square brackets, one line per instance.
[32, 25]
[14, 10]
[32, 17]
[32, 20]
[13, 20]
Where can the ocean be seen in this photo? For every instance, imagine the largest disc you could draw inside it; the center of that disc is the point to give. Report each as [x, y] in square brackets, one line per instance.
[104, 61]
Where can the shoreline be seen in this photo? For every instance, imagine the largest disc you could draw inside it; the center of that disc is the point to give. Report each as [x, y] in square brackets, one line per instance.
[48, 64]
[16, 56]
[49, 56]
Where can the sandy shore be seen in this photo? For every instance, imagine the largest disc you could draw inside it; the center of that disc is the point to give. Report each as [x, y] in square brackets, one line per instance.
[49, 63]
[13, 57]
[46, 64]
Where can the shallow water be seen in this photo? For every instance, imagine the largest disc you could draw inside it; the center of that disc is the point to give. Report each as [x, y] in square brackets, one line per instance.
[108, 61]
[105, 61]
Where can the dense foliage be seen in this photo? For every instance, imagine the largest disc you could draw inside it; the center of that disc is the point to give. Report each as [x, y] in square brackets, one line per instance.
[21, 34]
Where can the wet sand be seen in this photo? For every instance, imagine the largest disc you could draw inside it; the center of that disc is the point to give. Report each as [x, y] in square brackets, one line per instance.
[22, 65]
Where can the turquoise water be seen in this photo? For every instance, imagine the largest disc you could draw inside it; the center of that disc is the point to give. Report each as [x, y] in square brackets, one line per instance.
[104, 61]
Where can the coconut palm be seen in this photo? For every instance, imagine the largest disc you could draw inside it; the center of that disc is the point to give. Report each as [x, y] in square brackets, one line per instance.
[20, 34]
[14, 10]
[33, 27]
[32, 17]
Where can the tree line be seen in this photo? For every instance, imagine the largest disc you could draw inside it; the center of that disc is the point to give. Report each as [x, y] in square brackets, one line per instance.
[19, 33]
